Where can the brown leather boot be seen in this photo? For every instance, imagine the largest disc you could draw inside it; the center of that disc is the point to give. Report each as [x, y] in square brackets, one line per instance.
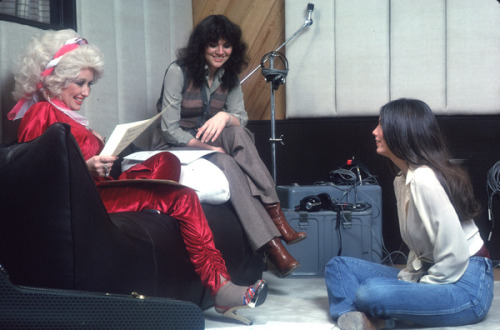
[280, 257]
[289, 235]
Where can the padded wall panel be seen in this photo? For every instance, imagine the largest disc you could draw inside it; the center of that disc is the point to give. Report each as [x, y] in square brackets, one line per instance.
[139, 39]
[11, 45]
[165, 31]
[96, 21]
[131, 58]
[418, 51]
[473, 56]
[362, 53]
[311, 59]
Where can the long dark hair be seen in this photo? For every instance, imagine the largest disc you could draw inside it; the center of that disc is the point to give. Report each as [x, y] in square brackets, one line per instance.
[412, 134]
[210, 30]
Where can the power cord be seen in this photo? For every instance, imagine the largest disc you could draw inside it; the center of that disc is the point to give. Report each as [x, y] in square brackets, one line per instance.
[492, 188]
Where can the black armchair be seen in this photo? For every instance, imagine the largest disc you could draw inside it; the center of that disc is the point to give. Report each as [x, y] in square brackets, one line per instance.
[56, 233]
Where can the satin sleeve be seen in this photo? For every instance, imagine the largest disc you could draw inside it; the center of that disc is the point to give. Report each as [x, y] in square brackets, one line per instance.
[42, 114]
[36, 120]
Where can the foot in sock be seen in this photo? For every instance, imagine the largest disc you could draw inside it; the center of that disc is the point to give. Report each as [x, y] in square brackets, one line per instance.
[231, 297]
[360, 321]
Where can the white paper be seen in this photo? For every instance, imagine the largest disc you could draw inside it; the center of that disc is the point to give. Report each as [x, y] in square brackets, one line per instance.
[124, 134]
[185, 156]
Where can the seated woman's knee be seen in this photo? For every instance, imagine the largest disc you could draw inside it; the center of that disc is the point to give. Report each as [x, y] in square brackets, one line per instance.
[369, 294]
[238, 132]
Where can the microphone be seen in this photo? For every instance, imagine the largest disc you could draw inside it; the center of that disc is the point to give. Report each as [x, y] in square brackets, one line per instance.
[310, 9]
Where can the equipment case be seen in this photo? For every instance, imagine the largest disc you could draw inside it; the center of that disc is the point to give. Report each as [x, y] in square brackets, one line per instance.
[23, 307]
[331, 233]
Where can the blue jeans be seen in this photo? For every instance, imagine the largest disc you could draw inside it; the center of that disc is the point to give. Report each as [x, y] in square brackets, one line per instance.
[374, 289]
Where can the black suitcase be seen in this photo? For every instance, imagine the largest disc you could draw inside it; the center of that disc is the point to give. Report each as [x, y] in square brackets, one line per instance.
[38, 308]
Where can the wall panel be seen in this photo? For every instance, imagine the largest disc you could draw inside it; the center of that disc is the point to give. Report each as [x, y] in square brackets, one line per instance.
[102, 106]
[418, 51]
[139, 39]
[131, 58]
[311, 58]
[362, 48]
[473, 56]
[359, 54]
[11, 45]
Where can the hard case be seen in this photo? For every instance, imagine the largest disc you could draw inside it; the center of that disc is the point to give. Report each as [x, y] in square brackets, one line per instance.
[291, 195]
[330, 234]
[24, 307]
[347, 233]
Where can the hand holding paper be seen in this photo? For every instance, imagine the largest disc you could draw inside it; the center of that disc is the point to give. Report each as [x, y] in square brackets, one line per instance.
[125, 134]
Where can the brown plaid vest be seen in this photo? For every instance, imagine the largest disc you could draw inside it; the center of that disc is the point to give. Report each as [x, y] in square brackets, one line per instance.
[196, 109]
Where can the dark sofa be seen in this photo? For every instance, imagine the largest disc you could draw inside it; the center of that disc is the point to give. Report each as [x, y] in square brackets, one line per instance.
[56, 233]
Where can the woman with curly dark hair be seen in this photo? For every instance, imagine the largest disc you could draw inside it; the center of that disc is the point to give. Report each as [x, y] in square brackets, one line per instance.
[448, 277]
[204, 109]
[209, 32]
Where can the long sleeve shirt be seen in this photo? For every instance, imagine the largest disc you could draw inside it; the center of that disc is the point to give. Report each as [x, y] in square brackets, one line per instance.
[440, 244]
[172, 95]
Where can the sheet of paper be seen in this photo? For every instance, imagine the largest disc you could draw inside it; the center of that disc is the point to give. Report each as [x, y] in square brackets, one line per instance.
[124, 134]
[185, 156]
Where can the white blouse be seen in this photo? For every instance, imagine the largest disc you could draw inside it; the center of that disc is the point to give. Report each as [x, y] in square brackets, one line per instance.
[440, 245]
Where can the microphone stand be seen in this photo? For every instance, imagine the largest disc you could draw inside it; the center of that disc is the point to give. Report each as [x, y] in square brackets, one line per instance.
[275, 85]
[277, 78]
[307, 22]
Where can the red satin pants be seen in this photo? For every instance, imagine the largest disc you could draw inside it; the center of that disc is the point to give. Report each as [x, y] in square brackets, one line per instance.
[179, 202]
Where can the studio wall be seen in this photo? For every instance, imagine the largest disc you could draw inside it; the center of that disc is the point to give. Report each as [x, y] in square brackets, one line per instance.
[360, 54]
[138, 39]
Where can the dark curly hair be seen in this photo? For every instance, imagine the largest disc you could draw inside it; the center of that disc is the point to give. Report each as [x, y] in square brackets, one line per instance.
[412, 133]
[210, 30]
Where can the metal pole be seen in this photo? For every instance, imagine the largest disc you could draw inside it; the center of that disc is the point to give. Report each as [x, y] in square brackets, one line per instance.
[306, 23]
[274, 85]
[273, 124]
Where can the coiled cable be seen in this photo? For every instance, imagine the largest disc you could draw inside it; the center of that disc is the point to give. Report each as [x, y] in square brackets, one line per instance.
[492, 188]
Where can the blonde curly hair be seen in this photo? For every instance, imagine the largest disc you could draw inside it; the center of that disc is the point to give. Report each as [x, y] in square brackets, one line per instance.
[41, 51]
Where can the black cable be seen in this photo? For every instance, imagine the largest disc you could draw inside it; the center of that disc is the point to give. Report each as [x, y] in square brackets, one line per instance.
[339, 234]
[492, 188]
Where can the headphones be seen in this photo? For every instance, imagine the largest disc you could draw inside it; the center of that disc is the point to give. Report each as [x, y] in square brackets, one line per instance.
[276, 77]
[315, 203]
[323, 201]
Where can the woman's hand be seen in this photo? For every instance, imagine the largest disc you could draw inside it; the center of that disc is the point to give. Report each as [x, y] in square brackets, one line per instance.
[101, 165]
[212, 128]
[193, 143]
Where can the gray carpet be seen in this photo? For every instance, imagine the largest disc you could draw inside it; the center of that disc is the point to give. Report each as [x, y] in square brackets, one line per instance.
[302, 303]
